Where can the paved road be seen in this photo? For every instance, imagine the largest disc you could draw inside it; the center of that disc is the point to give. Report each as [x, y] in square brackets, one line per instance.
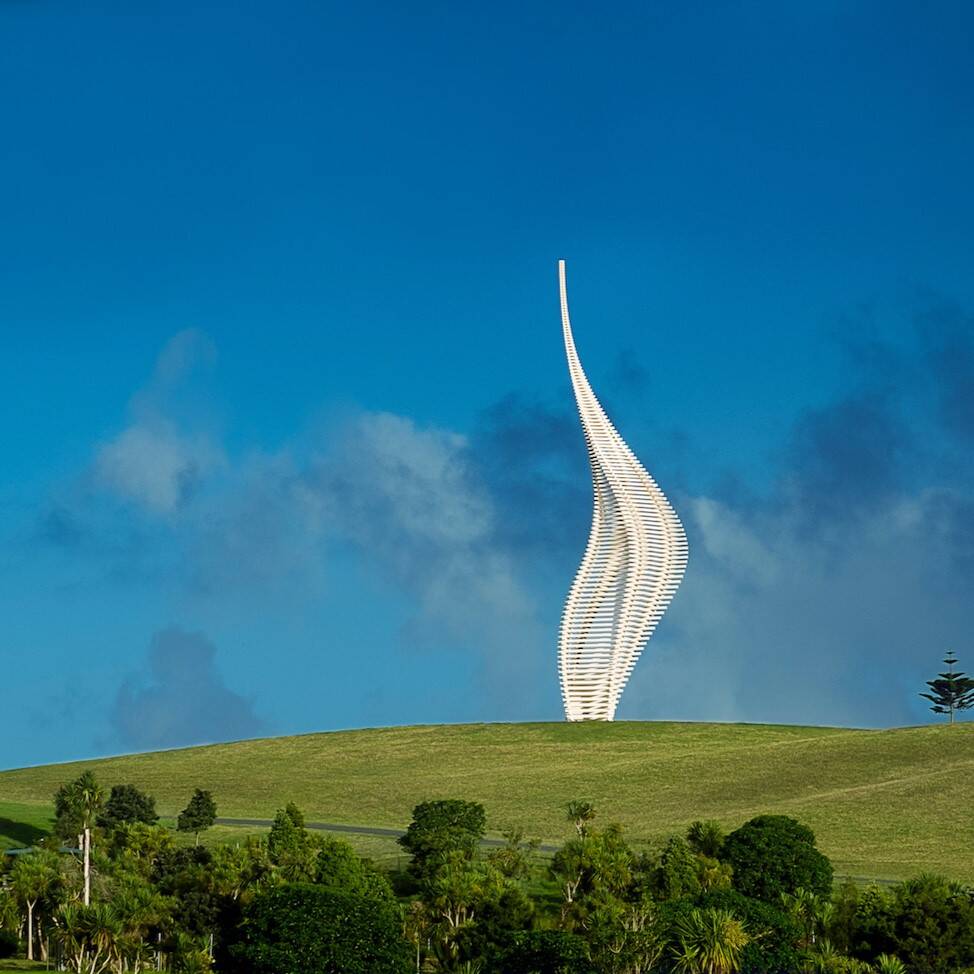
[264, 823]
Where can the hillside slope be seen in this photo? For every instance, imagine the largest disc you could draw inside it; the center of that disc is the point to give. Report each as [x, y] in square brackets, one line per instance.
[883, 803]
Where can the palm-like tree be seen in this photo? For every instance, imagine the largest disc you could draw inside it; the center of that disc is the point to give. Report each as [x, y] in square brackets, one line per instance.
[89, 935]
[810, 911]
[709, 942]
[31, 878]
[90, 799]
[138, 907]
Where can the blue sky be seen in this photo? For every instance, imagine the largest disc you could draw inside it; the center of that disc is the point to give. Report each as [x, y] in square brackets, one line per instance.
[289, 438]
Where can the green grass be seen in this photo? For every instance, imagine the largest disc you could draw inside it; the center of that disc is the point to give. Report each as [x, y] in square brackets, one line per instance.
[883, 804]
[23, 823]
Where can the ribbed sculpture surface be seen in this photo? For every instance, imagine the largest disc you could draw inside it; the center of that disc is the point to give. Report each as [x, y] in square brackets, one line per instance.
[633, 564]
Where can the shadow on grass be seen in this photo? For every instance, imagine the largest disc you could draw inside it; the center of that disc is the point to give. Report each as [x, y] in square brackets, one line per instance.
[22, 833]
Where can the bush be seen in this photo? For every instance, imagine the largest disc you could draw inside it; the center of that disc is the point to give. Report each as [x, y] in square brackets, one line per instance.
[546, 952]
[337, 867]
[677, 876]
[774, 935]
[933, 925]
[307, 929]
[774, 854]
[9, 943]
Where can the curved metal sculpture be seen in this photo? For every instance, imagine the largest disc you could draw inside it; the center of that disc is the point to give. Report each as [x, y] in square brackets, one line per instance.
[632, 566]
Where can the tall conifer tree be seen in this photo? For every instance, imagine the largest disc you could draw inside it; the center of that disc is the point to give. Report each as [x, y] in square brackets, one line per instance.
[951, 691]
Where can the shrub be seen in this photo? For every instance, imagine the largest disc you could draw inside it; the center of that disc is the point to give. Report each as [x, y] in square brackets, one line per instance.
[706, 838]
[546, 952]
[774, 935]
[774, 854]
[678, 873]
[933, 925]
[9, 943]
[340, 869]
[307, 929]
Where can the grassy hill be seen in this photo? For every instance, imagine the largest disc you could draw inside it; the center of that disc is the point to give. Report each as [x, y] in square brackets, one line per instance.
[883, 803]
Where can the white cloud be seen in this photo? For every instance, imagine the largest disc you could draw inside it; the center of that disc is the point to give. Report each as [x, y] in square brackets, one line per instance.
[154, 465]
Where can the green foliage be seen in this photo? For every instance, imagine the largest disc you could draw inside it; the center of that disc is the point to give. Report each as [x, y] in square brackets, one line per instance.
[307, 929]
[810, 913]
[709, 941]
[338, 868]
[239, 870]
[888, 964]
[440, 829]
[513, 859]
[9, 943]
[933, 924]
[126, 805]
[927, 923]
[580, 814]
[138, 847]
[952, 691]
[678, 874]
[76, 806]
[775, 854]
[706, 838]
[775, 936]
[546, 952]
[198, 815]
[471, 910]
[590, 869]
[290, 847]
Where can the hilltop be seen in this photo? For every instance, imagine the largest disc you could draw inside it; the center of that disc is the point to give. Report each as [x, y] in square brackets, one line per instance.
[883, 803]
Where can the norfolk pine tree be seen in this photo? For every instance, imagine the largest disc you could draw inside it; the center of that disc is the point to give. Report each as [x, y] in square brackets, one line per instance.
[951, 691]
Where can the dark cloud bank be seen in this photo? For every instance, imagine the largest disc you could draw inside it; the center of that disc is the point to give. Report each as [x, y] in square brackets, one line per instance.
[183, 700]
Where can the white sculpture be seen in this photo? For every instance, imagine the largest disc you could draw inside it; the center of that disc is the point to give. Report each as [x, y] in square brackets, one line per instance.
[632, 566]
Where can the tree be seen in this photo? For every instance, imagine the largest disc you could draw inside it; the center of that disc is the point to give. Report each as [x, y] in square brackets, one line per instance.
[678, 873]
[709, 941]
[933, 924]
[290, 847]
[89, 935]
[547, 952]
[198, 815]
[138, 847]
[441, 828]
[951, 691]
[474, 909]
[580, 813]
[125, 805]
[774, 934]
[809, 911]
[76, 807]
[337, 867]
[706, 838]
[307, 929]
[138, 907]
[775, 854]
[513, 858]
[32, 877]
[589, 870]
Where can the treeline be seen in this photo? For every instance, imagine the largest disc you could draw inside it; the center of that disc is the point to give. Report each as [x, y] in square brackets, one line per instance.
[114, 891]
